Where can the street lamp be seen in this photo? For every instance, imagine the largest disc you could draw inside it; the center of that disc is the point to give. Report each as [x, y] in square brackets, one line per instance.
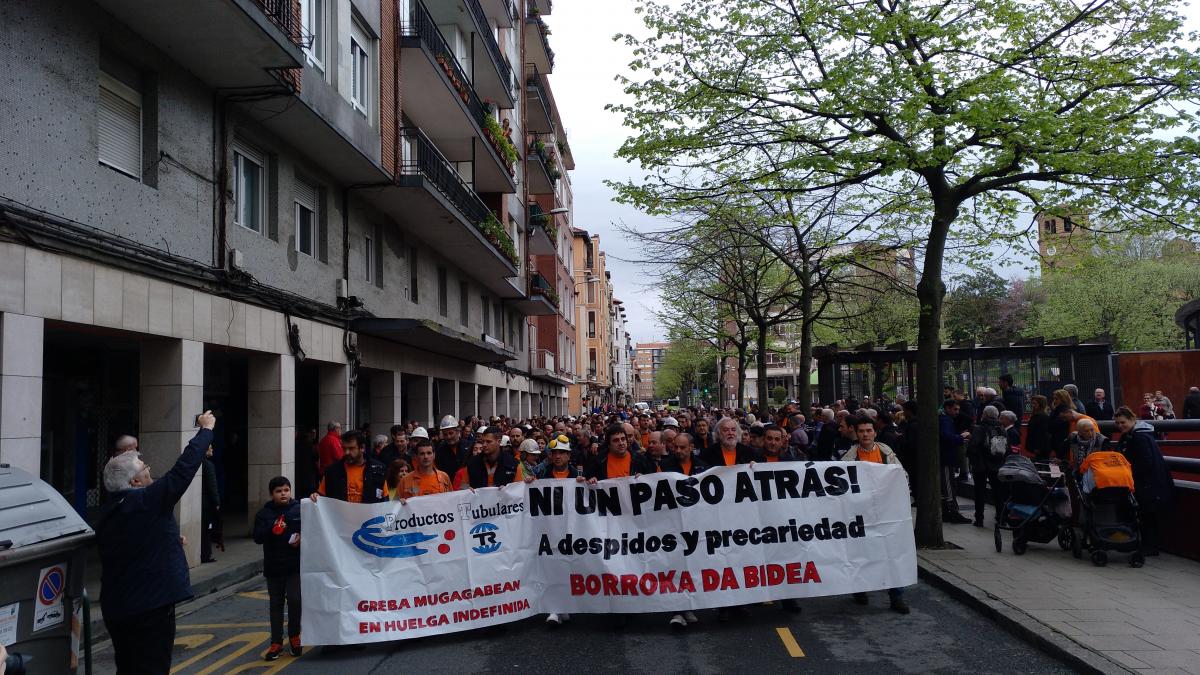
[555, 212]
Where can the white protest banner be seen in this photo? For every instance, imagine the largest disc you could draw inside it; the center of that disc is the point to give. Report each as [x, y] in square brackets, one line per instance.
[660, 542]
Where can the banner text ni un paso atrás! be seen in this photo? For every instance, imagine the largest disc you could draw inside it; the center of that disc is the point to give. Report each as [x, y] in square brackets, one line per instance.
[660, 542]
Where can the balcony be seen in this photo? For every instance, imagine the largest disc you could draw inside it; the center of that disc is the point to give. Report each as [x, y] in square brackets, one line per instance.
[540, 6]
[504, 12]
[543, 367]
[541, 168]
[437, 206]
[538, 106]
[438, 87]
[226, 43]
[541, 300]
[464, 26]
[537, 44]
[543, 233]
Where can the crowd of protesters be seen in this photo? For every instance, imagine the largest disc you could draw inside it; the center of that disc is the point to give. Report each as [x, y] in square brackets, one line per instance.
[975, 435]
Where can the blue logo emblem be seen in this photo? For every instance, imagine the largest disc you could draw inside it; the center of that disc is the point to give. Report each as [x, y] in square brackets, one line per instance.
[485, 536]
[371, 538]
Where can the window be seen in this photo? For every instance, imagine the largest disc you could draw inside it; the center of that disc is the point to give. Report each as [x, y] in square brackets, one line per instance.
[369, 258]
[512, 329]
[306, 218]
[464, 315]
[1051, 226]
[249, 188]
[413, 290]
[443, 292]
[499, 316]
[1068, 225]
[360, 69]
[591, 324]
[119, 126]
[312, 17]
[589, 260]
[487, 314]
[592, 361]
[591, 291]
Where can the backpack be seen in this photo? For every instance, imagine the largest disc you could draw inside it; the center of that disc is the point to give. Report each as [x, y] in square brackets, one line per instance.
[997, 444]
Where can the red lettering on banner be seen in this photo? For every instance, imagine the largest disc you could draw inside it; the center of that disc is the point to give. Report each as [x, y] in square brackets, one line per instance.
[686, 585]
[666, 581]
[750, 577]
[629, 583]
[810, 573]
[775, 575]
[577, 584]
[610, 584]
[728, 580]
[710, 579]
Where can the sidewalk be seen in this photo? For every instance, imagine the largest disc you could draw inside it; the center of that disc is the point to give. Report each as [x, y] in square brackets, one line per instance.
[1105, 619]
[241, 560]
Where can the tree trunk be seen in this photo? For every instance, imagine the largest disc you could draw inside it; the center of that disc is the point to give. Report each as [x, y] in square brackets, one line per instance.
[741, 377]
[761, 362]
[930, 292]
[804, 390]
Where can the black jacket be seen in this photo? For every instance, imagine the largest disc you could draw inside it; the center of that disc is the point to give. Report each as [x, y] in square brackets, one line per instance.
[672, 465]
[1014, 400]
[449, 458]
[374, 480]
[210, 496]
[1099, 411]
[980, 445]
[143, 566]
[273, 527]
[714, 456]
[1191, 407]
[826, 442]
[638, 464]
[1153, 485]
[544, 470]
[505, 473]
[1037, 436]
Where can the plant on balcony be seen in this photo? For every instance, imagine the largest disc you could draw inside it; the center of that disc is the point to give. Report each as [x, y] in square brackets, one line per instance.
[503, 146]
[494, 232]
[458, 84]
[547, 293]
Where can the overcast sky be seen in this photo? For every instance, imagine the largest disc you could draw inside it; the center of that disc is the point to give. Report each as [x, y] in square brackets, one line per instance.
[586, 62]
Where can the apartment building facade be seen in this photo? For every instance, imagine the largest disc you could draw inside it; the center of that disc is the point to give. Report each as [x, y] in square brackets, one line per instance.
[593, 290]
[286, 211]
[648, 357]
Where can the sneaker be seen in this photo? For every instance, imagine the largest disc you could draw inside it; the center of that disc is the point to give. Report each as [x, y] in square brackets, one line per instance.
[899, 606]
[677, 622]
[296, 648]
[690, 617]
[273, 652]
[860, 598]
[554, 620]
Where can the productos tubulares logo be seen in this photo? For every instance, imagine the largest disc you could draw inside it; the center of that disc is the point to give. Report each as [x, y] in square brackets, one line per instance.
[384, 536]
[486, 538]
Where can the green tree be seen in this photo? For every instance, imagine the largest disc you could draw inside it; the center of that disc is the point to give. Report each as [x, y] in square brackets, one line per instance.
[1133, 301]
[686, 365]
[920, 111]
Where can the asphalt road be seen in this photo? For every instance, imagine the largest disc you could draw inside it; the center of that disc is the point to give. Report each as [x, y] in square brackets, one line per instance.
[832, 635]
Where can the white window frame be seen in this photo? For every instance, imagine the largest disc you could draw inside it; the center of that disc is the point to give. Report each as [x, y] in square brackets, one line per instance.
[241, 154]
[308, 202]
[312, 18]
[362, 49]
[369, 256]
[133, 97]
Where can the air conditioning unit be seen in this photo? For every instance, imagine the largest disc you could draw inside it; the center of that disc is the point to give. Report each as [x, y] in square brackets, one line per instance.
[343, 288]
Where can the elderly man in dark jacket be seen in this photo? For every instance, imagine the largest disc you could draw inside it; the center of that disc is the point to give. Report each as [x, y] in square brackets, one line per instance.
[988, 448]
[144, 571]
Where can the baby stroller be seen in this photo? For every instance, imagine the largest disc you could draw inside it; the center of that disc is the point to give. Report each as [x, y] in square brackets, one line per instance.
[1038, 507]
[1110, 520]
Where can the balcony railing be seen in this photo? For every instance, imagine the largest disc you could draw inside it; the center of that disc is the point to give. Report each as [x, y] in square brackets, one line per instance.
[539, 286]
[420, 24]
[547, 157]
[539, 218]
[422, 158]
[543, 32]
[285, 14]
[545, 360]
[489, 43]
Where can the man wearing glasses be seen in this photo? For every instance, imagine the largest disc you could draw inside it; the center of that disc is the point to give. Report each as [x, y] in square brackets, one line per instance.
[144, 571]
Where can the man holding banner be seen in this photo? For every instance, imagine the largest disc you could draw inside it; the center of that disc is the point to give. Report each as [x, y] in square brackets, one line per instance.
[867, 450]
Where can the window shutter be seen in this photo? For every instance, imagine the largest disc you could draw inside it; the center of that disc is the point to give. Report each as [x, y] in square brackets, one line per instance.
[306, 194]
[119, 126]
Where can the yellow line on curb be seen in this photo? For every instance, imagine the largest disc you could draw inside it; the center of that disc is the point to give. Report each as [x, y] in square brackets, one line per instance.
[789, 642]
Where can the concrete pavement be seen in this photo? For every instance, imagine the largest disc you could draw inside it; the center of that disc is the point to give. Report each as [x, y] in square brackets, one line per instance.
[1111, 619]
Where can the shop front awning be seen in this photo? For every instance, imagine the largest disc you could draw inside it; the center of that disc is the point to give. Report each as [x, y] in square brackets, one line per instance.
[433, 337]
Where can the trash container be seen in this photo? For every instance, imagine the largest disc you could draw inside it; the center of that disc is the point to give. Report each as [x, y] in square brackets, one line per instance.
[42, 559]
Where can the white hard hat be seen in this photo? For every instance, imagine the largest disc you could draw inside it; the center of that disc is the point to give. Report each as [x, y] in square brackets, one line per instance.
[530, 446]
[504, 441]
[419, 432]
[670, 422]
[448, 422]
[560, 442]
[481, 429]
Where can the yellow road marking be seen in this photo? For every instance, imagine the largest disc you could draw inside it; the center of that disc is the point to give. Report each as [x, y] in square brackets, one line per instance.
[248, 640]
[193, 641]
[255, 595]
[789, 642]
